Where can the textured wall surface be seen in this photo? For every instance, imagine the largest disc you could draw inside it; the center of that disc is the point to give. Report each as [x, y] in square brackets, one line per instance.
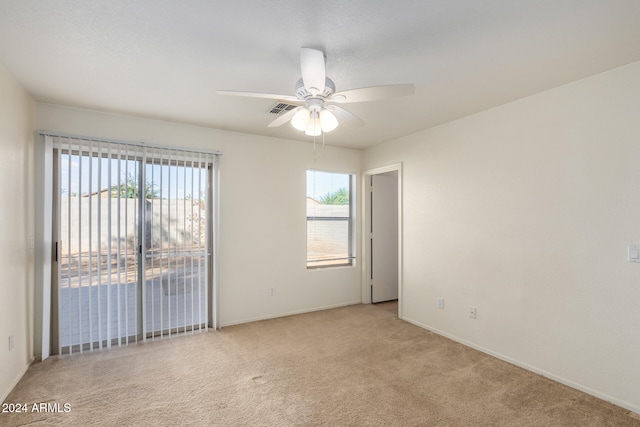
[16, 226]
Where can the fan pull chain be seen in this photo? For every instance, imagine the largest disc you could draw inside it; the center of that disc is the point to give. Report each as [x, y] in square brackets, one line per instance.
[315, 154]
[315, 157]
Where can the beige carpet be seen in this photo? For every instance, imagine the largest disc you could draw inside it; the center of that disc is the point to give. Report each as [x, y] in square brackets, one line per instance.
[350, 366]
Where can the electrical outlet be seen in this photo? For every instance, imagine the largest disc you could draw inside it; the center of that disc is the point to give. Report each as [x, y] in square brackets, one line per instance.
[441, 303]
[472, 312]
[10, 342]
[272, 292]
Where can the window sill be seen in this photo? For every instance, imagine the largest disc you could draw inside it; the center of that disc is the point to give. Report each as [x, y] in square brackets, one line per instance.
[330, 267]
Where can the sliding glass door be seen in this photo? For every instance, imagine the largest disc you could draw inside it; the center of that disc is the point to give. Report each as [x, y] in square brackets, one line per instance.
[133, 240]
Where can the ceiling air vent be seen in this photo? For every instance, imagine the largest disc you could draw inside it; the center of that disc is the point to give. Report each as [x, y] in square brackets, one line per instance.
[281, 107]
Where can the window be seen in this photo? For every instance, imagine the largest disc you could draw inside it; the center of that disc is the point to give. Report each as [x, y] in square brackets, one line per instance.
[329, 219]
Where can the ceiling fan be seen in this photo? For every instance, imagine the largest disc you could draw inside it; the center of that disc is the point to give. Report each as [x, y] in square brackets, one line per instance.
[316, 98]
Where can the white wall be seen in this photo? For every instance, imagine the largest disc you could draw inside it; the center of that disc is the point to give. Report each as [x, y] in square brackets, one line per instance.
[263, 210]
[526, 211]
[16, 225]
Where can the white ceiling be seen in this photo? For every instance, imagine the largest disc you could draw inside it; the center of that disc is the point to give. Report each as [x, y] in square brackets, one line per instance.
[165, 59]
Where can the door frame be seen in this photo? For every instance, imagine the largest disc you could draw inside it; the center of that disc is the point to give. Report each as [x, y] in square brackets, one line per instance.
[365, 218]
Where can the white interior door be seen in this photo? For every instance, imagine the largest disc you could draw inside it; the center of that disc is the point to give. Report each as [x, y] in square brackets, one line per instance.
[384, 237]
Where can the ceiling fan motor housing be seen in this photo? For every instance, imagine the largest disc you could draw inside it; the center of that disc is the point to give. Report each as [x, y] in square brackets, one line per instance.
[303, 94]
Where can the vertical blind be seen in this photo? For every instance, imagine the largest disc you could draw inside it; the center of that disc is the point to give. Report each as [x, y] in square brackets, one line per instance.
[134, 242]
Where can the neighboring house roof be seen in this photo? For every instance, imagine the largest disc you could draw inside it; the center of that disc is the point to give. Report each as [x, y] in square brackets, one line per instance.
[317, 209]
[105, 192]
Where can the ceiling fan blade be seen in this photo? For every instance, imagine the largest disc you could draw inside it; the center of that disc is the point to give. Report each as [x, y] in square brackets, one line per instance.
[284, 118]
[373, 93]
[290, 99]
[345, 117]
[313, 69]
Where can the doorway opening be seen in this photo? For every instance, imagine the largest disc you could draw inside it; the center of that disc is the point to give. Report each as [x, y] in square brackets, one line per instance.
[382, 235]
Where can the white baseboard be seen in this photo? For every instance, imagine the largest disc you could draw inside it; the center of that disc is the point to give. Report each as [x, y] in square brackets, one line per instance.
[289, 313]
[554, 377]
[16, 380]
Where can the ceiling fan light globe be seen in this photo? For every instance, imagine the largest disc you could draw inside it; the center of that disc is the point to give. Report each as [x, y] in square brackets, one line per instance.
[300, 120]
[314, 127]
[328, 121]
[311, 131]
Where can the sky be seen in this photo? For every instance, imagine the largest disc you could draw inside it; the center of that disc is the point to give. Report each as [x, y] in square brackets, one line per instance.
[322, 183]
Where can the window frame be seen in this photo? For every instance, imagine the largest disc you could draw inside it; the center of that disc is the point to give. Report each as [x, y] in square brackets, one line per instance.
[349, 261]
